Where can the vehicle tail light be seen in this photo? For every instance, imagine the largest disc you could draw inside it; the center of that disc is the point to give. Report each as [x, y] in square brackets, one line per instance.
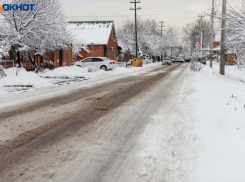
[112, 63]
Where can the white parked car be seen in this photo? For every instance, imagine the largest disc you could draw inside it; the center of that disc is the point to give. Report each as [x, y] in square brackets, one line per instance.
[97, 62]
[146, 59]
[178, 59]
[166, 61]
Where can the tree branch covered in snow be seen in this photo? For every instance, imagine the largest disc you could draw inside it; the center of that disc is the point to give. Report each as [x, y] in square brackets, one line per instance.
[149, 37]
[43, 29]
[195, 64]
[235, 38]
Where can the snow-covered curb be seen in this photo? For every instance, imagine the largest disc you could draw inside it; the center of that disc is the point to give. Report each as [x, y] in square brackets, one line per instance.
[217, 106]
[200, 136]
[55, 91]
[220, 106]
[38, 80]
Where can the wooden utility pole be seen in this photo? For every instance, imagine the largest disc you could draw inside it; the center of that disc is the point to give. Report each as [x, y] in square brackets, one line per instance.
[212, 35]
[201, 28]
[136, 36]
[161, 26]
[223, 35]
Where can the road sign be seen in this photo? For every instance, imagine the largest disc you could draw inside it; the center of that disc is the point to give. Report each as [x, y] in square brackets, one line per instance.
[198, 45]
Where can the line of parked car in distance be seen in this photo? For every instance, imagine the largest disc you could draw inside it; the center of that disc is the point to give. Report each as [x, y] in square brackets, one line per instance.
[146, 59]
[102, 63]
[169, 61]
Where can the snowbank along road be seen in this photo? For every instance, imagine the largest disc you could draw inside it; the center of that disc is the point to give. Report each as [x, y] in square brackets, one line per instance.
[91, 134]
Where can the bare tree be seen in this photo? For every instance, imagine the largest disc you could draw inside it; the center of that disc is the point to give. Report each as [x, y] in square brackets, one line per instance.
[192, 33]
[235, 36]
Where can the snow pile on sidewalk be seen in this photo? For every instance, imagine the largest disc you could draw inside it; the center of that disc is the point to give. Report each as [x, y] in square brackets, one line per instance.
[200, 135]
[70, 71]
[22, 77]
[42, 78]
[232, 72]
[220, 125]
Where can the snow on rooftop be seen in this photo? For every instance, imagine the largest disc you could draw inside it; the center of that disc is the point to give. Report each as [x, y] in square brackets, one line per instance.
[97, 33]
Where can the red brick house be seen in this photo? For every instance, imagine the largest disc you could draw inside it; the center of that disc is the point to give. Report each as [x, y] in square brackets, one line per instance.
[99, 36]
[58, 57]
[230, 57]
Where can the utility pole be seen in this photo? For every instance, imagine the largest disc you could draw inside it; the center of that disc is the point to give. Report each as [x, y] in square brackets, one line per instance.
[201, 16]
[161, 26]
[136, 36]
[212, 35]
[223, 35]
[171, 52]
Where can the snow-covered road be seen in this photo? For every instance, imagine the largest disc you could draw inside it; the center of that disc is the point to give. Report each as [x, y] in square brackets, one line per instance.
[130, 129]
[162, 123]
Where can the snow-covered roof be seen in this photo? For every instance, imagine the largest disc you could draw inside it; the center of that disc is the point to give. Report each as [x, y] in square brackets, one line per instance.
[96, 32]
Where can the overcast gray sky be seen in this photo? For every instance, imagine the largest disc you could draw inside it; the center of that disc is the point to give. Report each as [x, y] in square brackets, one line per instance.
[174, 12]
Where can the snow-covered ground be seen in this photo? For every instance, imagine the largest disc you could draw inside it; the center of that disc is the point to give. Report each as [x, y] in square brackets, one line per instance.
[202, 137]
[58, 76]
[219, 124]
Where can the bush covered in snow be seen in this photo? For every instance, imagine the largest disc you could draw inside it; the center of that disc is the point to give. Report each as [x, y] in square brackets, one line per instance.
[195, 65]
[19, 76]
[2, 74]
[47, 65]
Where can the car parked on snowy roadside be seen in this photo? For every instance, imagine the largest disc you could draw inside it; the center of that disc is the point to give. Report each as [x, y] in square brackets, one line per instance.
[202, 60]
[188, 59]
[178, 59]
[166, 61]
[97, 62]
[146, 59]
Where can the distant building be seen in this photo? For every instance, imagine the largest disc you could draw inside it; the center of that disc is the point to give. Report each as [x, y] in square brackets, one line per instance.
[230, 57]
[99, 36]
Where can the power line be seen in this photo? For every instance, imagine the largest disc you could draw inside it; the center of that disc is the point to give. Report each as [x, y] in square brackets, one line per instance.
[186, 12]
[146, 7]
